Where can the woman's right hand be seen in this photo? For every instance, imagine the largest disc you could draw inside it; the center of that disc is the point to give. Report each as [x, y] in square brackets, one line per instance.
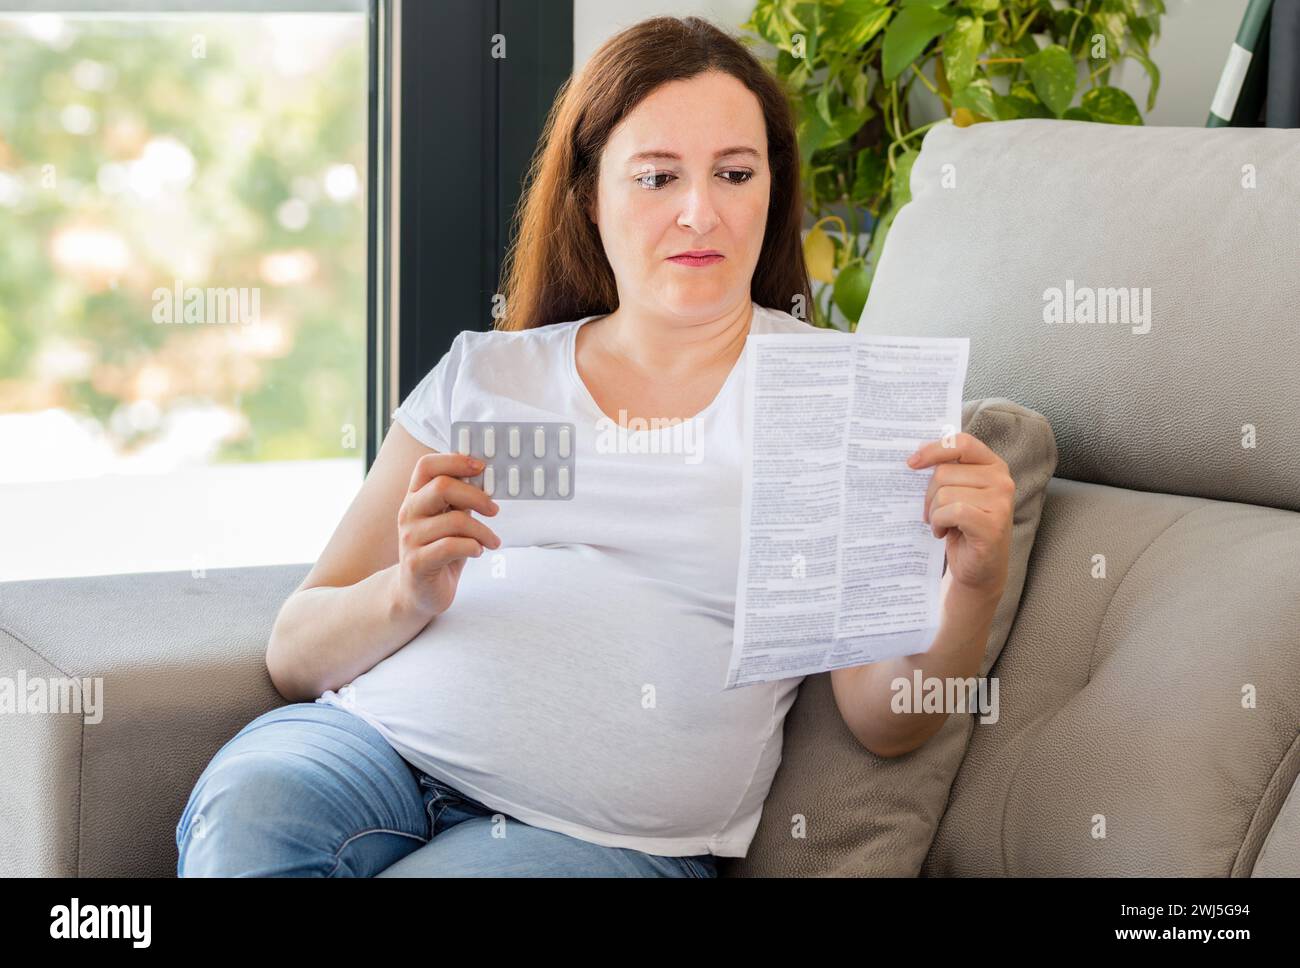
[436, 532]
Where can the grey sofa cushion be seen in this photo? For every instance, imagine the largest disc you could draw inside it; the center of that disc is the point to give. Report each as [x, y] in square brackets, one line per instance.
[1122, 697]
[1033, 204]
[868, 815]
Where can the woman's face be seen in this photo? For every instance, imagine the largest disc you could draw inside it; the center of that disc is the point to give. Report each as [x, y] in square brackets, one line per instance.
[685, 170]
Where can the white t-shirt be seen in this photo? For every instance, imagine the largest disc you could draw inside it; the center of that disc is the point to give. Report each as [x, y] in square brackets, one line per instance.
[576, 682]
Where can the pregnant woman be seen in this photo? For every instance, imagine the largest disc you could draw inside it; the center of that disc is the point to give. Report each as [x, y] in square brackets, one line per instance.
[535, 687]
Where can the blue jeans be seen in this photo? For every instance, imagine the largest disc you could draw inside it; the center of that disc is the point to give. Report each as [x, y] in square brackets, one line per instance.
[312, 790]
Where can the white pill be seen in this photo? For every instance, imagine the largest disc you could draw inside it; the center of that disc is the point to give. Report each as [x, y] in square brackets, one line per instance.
[514, 441]
[563, 482]
[539, 481]
[539, 442]
[512, 481]
[564, 441]
[489, 480]
[490, 442]
[463, 445]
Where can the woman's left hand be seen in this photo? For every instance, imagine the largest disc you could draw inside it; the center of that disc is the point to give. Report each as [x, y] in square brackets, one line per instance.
[970, 501]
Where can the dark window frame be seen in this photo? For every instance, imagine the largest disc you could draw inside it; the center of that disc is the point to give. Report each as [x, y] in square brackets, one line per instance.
[469, 124]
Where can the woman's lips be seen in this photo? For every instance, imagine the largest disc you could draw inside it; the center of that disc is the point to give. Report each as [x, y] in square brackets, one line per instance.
[695, 260]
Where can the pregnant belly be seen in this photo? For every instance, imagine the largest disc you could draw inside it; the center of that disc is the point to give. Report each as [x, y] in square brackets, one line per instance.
[565, 683]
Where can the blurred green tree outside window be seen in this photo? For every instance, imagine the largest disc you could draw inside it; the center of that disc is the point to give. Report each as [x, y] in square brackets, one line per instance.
[145, 156]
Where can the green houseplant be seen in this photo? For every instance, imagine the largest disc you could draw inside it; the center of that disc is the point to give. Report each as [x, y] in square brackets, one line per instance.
[849, 68]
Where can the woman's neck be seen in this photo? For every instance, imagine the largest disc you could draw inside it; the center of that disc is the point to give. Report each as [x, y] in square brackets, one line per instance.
[670, 349]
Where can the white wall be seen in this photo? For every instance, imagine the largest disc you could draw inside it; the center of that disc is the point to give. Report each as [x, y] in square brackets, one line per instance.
[1193, 45]
[594, 21]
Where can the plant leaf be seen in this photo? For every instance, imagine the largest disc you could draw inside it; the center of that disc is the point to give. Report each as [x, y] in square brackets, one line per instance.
[852, 283]
[1025, 89]
[770, 28]
[901, 191]
[819, 255]
[976, 97]
[1054, 76]
[1013, 106]
[824, 105]
[855, 22]
[961, 47]
[868, 177]
[845, 122]
[810, 46]
[1153, 72]
[811, 128]
[1111, 24]
[1142, 30]
[907, 36]
[1111, 105]
[797, 72]
[858, 93]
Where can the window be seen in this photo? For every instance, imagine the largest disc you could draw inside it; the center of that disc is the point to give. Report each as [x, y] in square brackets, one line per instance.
[203, 241]
[185, 282]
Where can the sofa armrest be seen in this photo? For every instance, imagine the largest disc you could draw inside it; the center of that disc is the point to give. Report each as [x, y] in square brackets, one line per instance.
[175, 662]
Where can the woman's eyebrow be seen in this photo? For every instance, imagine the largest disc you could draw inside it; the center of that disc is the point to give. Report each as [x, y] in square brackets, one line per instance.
[665, 155]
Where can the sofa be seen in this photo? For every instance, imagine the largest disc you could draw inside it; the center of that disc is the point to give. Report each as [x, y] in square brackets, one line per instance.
[1150, 683]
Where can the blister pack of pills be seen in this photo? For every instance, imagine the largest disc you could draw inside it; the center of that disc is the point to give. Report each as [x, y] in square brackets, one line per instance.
[526, 461]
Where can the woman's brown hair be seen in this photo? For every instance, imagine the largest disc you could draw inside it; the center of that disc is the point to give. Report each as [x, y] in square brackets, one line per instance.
[556, 268]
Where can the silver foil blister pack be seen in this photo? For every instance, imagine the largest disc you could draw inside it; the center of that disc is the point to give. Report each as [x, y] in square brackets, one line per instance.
[525, 460]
